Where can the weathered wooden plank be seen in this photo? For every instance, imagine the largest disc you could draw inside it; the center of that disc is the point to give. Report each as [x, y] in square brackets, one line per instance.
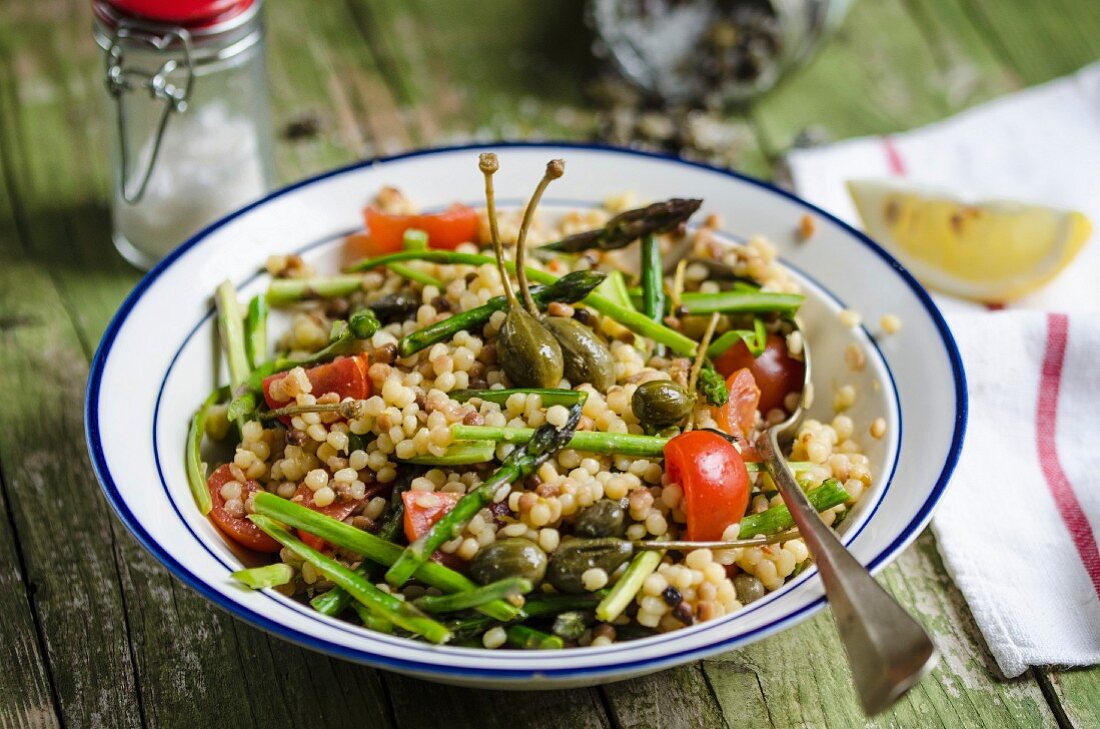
[422, 704]
[800, 676]
[678, 697]
[189, 658]
[1077, 693]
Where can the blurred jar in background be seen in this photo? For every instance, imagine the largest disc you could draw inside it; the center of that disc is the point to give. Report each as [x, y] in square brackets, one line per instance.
[710, 53]
[189, 119]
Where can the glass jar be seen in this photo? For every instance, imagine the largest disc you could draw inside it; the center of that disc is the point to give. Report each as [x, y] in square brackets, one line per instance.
[710, 52]
[190, 125]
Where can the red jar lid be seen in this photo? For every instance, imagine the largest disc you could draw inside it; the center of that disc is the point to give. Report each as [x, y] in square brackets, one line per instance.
[187, 13]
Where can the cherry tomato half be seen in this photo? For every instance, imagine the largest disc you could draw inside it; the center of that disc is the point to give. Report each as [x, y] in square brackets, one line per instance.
[714, 479]
[339, 510]
[424, 508]
[386, 233]
[347, 377]
[777, 374]
[238, 528]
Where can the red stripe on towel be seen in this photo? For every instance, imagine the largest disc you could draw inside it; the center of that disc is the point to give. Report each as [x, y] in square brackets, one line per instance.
[1046, 420]
[893, 157]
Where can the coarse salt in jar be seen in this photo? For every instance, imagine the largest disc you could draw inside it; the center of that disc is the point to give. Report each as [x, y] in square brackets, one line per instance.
[190, 127]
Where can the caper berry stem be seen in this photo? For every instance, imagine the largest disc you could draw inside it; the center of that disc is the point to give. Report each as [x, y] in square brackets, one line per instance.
[489, 164]
[700, 358]
[759, 541]
[555, 168]
[349, 409]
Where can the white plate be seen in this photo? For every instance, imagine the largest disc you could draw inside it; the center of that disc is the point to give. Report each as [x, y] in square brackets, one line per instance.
[155, 366]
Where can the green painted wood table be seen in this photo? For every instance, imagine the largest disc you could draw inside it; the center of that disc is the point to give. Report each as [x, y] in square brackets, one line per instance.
[95, 633]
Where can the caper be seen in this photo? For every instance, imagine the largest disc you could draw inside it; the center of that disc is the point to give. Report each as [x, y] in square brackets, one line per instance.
[660, 403]
[528, 352]
[748, 587]
[397, 306]
[605, 518]
[587, 358]
[576, 556]
[514, 557]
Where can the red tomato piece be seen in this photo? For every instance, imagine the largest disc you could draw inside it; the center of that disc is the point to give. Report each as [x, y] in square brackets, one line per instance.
[238, 528]
[424, 508]
[347, 377]
[714, 479]
[457, 224]
[738, 415]
[337, 510]
[777, 374]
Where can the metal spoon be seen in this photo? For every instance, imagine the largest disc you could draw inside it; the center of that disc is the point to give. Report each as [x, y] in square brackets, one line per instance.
[888, 651]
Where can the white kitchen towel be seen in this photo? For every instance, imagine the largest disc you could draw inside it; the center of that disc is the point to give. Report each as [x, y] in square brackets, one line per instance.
[1017, 527]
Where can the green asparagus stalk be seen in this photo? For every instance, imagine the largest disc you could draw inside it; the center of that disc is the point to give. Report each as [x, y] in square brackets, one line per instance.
[567, 289]
[778, 518]
[415, 274]
[548, 397]
[336, 600]
[519, 464]
[372, 621]
[282, 291]
[628, 585]
[255, 340]
[499, 590]
[271, 575]
[614, 290]
[740, 302]
[459, 453]
[629, 226]
[196, 469]
[755, 339]
[381, 604]
[633, 320]
[626, 444]
[653, 284]
[521, 636]
[371, 547]
[231, 328]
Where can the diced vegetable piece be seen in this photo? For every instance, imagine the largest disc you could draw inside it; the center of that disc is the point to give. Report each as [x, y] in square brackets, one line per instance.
[738, 415]
[347, 377]
[271, 575]
[237, 528]
[386, 233]
[777, 374]
[425, 508]
[714, 479]
[337, 510]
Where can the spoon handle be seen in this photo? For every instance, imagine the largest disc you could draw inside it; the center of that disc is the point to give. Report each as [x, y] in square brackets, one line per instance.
[888, 651]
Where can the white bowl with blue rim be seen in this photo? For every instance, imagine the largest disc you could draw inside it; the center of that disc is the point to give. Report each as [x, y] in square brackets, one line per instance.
[156, 364]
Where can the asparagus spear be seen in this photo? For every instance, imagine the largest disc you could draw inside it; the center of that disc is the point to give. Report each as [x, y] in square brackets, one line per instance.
[381, 604]
[627, 444]
[372, 547]
[547, 396]
[629, 226]
[270, 575]
[283, 291]
[778, 518]
[739, 302]
[520, 463]
[653, 283]
[255, 340]
[231, 329]
[499, 590]
[196, 469]
[336, 600]
[623, 591]
[521, 636]
[568, 289]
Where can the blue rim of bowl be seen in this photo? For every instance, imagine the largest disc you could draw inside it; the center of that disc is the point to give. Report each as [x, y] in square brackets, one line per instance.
[102, 470]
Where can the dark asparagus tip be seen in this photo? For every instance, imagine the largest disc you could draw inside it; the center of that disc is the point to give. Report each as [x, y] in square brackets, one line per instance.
[627, 227]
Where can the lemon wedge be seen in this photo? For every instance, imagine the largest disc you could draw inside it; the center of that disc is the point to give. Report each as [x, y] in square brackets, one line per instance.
[992, 251]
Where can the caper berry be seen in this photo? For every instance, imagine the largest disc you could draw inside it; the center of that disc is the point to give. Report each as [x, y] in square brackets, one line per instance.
[514, 557]
[661, 403]
[586, 357]
[748, 587]
[605, 518]
[397, 306]
[528, 352]
[576, 556]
